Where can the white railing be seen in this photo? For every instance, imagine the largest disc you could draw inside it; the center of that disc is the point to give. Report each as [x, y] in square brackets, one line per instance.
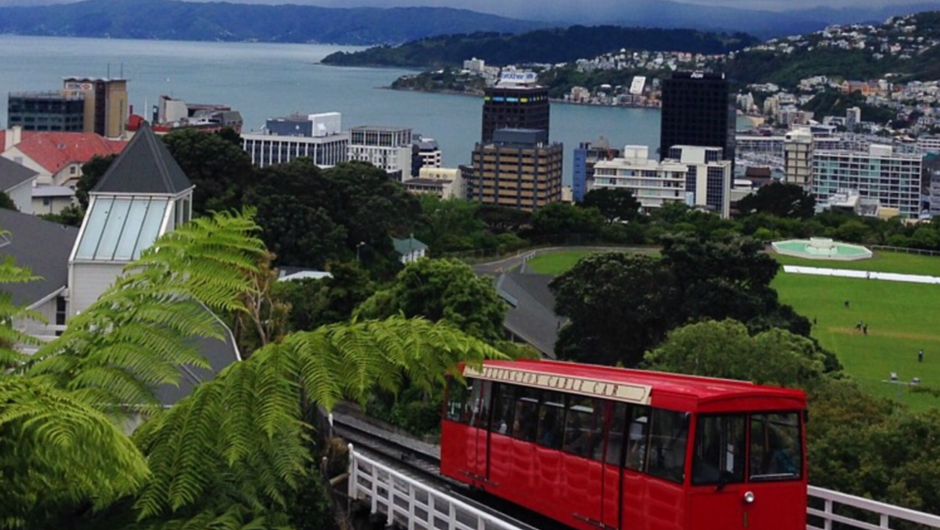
[884, 513]
[412, 504]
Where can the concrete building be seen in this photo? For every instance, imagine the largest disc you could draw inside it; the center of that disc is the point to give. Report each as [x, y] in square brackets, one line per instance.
[697, 110]
[445, 183]
[172, 113]
[315, 136]
[892, 179]
[586, 156]
[653, 183]
[518, 169]
[426, 153]
[106, 103]
[692, 175]
[387, 148]
[708, 180]
[57, 111]
[928, 144]
[515, 102]
[798, 158]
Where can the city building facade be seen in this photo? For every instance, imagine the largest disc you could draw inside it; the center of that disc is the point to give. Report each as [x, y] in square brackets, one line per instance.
[444, 183]
[798, 148]
[46, 111]
[315, 136]
[894, 180]
[697, 110]
[586, 156]
[388, 148]
[106, 103]
[517, 170]
[515, 102]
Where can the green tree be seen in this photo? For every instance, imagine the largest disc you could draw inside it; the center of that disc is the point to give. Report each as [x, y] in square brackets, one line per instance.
[71, 215]
[215, 163]
[565, 219]
[726, 349]
[449, 225]
[615, 204]
[618, 306]
[439, 289]
[781, 200]
[853, 231]
[315, 303]
[92, 171]
[500, 219]
[7, 203]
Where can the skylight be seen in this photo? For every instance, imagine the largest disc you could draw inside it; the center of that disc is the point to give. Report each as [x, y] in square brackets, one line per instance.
[120, 228]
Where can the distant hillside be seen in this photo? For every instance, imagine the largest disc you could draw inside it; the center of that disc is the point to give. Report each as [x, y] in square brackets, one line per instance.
[540, 46]
[218, 21]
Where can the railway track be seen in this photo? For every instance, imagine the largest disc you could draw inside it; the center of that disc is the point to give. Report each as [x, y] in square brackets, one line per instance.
[422, 461]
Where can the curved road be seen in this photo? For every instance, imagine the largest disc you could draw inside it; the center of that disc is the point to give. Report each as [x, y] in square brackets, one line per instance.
[499, 266]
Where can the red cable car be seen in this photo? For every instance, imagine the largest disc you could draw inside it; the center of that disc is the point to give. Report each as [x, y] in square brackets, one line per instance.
[599, 447]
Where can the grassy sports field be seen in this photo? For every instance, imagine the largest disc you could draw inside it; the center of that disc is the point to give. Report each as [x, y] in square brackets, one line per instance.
[902, 318]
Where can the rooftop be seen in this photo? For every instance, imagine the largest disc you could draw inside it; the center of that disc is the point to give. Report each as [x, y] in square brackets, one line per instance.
[56, 150]
[145, 167]
[40, 245]
[13, 174]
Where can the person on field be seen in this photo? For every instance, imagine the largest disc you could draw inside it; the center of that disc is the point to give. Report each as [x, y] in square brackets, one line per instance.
[920, 356]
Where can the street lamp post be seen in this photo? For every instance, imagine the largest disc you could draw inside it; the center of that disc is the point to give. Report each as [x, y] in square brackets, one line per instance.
[357, 250]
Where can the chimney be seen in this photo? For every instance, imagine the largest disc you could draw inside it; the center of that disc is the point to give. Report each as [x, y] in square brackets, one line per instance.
[14, 136]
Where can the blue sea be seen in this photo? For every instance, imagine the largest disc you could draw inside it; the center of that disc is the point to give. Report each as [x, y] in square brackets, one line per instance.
[268, 80]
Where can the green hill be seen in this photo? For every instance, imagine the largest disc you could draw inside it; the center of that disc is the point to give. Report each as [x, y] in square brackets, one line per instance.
[540, 46]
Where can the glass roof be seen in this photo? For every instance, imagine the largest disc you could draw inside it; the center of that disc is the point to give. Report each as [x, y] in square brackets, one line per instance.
[120, 228]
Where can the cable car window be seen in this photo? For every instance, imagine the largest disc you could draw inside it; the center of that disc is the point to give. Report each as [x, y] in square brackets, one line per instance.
[461, 399]
[481, 418]
[719, 450]
[551, 419]
[668, 436]
[776, 447]
[525, 414]
[504, 397]
[637, 438]
[584, 423]
[618, 420]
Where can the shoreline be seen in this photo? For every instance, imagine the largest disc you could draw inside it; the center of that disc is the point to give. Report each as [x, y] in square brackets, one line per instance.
[552, 100]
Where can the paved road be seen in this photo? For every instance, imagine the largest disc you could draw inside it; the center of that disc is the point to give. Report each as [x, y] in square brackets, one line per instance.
[494, 268]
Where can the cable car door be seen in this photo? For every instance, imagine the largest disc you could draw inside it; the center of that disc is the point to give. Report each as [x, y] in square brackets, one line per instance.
[716, 499]
[478, 444]
[611, 473]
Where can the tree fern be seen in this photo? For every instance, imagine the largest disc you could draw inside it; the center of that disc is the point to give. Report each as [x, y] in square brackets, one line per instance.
[10, 337]
[242, 433]
[55, 450]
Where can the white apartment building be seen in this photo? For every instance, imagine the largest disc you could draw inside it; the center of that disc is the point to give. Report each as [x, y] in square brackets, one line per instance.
[696, 176]
[928, 144]
[798, 157]
[893, 179]
[388, 148]
[315, 136]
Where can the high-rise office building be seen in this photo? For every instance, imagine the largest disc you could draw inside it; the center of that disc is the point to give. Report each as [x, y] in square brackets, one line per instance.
[697, 110]
[389, 148]
[46, 111]
[518, 169]
[515, 102]
[315, 136]
[106, 103]
[798, 158]
[880, 174]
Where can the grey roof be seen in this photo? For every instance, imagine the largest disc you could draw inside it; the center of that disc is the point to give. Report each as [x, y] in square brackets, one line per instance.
[43, 247]
[219, 353]
[408, 245]
[53, 191]
[13, 174]
[531, 315]
[145, 166]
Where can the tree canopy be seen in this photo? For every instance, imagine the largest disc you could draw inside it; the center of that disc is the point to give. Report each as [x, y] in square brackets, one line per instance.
[779, 199]
[615, 204]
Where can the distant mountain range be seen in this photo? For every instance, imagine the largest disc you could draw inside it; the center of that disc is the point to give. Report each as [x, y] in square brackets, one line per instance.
[179, 20]
[217, 21]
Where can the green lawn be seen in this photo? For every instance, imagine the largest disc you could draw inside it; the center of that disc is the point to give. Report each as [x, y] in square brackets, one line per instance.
[556, 263]
[881, 262]
[902, 318]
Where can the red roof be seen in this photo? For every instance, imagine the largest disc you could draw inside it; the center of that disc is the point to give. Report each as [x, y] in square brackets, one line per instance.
[56, 150]
[696, 388]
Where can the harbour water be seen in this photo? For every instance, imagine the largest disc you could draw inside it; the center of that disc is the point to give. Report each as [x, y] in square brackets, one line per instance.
[267, 80]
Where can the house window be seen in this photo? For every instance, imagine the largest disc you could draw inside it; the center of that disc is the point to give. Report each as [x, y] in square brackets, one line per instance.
[71, 170]
[61, 312]
[46, 201]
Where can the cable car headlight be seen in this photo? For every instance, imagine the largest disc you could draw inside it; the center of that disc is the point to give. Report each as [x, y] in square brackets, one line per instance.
[749, 497]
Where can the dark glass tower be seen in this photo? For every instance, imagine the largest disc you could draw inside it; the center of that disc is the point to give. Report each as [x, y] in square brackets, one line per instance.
[514, 107]
[697, 110]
